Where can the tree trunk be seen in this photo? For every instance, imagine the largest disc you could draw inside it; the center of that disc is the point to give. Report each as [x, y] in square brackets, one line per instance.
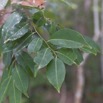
[96, 18]
[87, 4]
[80, 80]
[102, 42]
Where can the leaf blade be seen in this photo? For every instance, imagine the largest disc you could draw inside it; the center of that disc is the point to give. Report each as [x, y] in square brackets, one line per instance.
[65, 43]
[21, 79]
[35, 45]
[43, 58]
[4, 87]
[69, 34]
[67, 56]
[14, 94]
[56, 73]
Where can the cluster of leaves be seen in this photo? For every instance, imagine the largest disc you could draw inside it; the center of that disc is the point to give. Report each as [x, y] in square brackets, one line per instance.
[30, 41]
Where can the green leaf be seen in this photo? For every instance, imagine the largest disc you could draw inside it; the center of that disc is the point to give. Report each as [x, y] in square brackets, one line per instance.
[26, 62]
[5, 75]
[10, 23]
[79, 56]
[10, 31]
[39, 19]
[88, 50]
[3, 88]
[15, 34]
[35, 45]
[43, 57]
[67, 56]
[49, 14]
[68, 34]
[56, 73]
[21, 79]
[7, 47]
[52, 29]
[22, 42]
[92, 48]
[7, 58]
[3, 3]
[14, 94]
[66, 43]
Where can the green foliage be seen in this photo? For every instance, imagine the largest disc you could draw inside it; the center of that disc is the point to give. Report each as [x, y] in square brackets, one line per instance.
[26, 51]
[12, 30]
[67, 56]
[56, 73]
[14, 94]
[20, 78]
[35, 45]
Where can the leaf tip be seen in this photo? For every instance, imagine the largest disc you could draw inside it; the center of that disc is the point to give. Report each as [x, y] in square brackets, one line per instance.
[58, 91]
[35, 72]
[26, 95]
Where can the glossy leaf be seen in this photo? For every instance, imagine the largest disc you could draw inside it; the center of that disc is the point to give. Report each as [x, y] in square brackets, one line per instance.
[79, 56]
[43, 57]
[4, 87]
[10, 23]
[3, 3]
[26, 62]
[89, 50]
[5, 75]
[56, 73]
[16, 33]
[14, 94]
[67, 56]
[66, 43]
[21, 79]
[92, 48]
[68, 34]
[35, 45]
[10, 31]
[7, 58]
[22, 42]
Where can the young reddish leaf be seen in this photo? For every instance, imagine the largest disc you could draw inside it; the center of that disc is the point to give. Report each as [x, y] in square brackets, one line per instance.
[31, 3]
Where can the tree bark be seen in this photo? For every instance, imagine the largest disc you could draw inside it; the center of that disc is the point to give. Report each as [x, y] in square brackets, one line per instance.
[87, 4]
[102, 42]
[80, 80]
[63, 96]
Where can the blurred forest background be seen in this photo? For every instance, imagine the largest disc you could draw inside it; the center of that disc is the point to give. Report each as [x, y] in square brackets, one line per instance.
[83, 84]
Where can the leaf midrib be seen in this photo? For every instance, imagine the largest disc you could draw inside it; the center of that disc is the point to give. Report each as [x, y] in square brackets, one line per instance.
[20, 80]
[65, 40]
[14, 92]
[56, 72]
[5, 89]
[66, 57]
[43, 58]
[36, 43]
